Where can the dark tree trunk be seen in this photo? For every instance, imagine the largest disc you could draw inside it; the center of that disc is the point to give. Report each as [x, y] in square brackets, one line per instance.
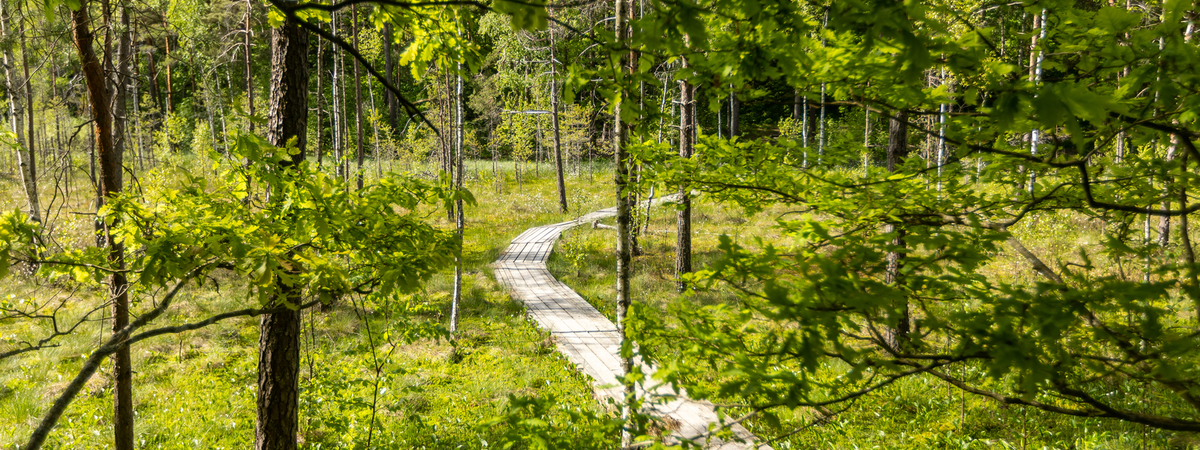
[279, 342]
[897, 150]
[122, 367]
[796, 106]
[389, 66]
[558, 162]
[320, 101]
[110, 184]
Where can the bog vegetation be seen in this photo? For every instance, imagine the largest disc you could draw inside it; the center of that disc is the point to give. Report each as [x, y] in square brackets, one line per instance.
[921, 224]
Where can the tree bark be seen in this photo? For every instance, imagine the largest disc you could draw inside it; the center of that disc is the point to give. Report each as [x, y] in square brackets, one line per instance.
[279, 342]
[897, 149]
[320, 100]
[554, 123]
[624, 225]
[110, 183]
[683, 216]
[122, 366]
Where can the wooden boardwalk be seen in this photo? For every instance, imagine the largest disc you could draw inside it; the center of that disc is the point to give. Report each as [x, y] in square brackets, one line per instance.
[589, 339]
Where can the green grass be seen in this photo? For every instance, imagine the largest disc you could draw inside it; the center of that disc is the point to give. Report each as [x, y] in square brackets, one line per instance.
[197, 390]
[915, 413]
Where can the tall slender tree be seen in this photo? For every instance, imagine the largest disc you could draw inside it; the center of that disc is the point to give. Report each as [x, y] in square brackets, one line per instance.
[279, 342]
[897, 150]
[558, 158]
[358, 123]
[683, 216]
[16, 83]
[110, 184]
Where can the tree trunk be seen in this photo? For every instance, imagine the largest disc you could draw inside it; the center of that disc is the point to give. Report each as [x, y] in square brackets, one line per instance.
[796, 106]
[624, 225]
[1164, 222]
[554, 123]
[249, 75]
[389, 66]
[683, 216]
[123, 383]
[358, 125]
[734, 112]
[110, 184]
[1035, 75]
[279, 342]
[458, 203]
[897, 150]
[320, 100]
[866, 138]
[26, 159]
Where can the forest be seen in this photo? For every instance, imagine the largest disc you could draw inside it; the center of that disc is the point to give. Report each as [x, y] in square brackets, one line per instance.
[599, 224]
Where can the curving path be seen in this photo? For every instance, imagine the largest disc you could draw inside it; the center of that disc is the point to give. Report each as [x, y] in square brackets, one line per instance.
[588, 338]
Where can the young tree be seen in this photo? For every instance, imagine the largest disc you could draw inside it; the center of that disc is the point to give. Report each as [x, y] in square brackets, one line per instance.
[15, 84]
[558, 159]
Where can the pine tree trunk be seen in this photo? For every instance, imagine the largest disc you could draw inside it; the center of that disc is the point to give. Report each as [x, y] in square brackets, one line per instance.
[683, 216]
[122, 366]
[897, 150]
[554, 123]
[320, 101]
[110, 184]
[279, 342]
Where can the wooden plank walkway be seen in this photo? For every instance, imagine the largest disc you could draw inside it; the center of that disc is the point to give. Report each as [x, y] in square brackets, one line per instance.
[590, 340]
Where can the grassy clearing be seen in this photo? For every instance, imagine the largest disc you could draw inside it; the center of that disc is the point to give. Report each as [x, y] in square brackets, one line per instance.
[915, 413]
[197, 390]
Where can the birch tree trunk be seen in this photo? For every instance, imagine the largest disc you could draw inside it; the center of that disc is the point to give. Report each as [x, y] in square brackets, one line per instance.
[26, 159]
[249, 75]
[358, 125]
[458, 203]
